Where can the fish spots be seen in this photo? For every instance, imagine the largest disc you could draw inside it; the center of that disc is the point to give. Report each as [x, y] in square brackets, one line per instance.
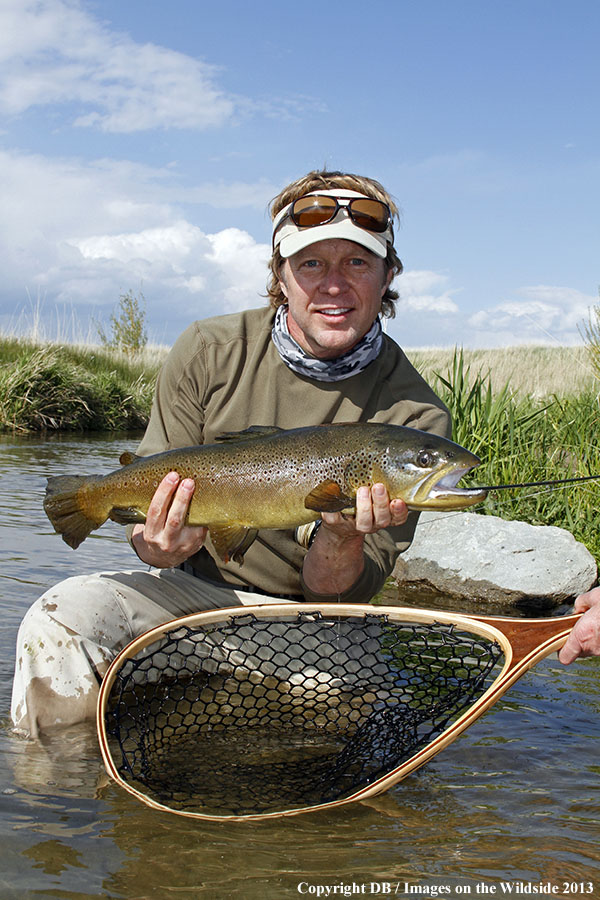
[360, 471]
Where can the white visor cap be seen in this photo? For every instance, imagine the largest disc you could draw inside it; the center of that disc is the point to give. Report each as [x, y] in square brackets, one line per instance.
[290, 238]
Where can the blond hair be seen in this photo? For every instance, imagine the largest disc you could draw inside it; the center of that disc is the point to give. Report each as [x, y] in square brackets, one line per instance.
[320, 179]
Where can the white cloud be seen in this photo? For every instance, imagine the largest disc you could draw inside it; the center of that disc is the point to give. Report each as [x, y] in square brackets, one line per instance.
[53, 52]
[81, 234]
[227, 270]
[242, 265]
[170, 244]
[547, 314]
[424, 291]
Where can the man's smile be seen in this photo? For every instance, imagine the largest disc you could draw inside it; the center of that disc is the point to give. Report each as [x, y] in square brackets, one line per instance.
[335, 311]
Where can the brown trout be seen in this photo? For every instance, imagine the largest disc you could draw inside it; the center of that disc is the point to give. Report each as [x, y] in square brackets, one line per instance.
[266, 477]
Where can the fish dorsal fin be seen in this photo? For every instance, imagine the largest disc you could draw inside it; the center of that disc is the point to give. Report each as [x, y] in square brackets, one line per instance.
[231, 541]
[248, 434]
[126, 458]
[328, 497]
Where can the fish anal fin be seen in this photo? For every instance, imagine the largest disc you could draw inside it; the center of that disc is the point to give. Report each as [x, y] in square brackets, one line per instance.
[231, 541]
[328, 497]
[249, 434]
[129, 515]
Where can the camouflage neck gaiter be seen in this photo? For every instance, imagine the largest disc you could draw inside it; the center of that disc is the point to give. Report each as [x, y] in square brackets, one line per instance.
[350, 363]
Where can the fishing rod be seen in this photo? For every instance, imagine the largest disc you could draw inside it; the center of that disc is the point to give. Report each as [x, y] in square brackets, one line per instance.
[525, 484]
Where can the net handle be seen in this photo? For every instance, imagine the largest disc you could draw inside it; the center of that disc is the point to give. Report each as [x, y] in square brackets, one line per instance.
[529, 641]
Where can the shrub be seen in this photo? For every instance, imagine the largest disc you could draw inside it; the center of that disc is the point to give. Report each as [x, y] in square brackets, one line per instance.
[128, 325]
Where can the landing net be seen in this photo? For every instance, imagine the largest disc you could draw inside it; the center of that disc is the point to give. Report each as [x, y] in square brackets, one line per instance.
[255, 715]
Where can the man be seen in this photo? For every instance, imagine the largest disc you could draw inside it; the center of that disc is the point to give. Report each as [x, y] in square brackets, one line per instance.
[317, 354]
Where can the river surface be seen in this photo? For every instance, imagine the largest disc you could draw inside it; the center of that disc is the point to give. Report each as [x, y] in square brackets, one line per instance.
[511, 808]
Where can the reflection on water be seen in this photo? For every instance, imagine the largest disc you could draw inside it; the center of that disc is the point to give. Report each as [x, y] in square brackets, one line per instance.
[515, 798]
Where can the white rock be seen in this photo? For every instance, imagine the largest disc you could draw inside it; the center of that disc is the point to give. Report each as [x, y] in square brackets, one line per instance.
[467, 558]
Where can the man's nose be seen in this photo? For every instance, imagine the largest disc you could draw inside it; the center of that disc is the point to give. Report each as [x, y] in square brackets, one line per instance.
[333, 281]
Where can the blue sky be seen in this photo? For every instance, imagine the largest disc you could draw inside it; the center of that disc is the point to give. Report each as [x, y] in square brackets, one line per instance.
[141, 142]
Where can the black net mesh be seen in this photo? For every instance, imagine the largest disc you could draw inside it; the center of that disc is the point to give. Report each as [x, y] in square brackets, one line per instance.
[257, 715]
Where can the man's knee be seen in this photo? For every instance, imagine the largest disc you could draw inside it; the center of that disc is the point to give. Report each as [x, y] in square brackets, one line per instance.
[84, 605]
[63, 650]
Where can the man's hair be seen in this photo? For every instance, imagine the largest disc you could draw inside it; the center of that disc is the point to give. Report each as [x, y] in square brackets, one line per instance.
[320, 179]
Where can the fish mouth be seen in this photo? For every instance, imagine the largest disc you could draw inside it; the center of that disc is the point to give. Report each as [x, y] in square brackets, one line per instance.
[442, 493]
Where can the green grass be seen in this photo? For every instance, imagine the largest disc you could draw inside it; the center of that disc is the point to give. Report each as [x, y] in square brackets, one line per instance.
[522, 439]
[68, 388]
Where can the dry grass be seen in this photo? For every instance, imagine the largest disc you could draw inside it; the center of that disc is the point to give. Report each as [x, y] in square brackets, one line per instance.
[534, 371]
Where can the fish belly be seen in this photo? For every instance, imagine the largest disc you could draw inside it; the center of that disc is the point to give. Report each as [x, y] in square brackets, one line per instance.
[274, 506]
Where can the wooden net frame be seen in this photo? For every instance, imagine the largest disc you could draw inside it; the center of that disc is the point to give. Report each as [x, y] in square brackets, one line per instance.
[255, 712]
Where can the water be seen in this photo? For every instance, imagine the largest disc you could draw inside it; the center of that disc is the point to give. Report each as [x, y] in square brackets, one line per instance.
[515, 799]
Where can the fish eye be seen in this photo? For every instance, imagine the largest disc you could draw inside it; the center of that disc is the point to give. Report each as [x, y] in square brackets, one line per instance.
[425, 459]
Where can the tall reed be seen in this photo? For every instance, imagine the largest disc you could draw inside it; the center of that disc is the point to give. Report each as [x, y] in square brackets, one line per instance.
[520, 440]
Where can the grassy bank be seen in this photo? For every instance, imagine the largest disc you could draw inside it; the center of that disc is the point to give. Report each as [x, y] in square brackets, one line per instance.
[68, 388]
[523, 438]
[531, 414]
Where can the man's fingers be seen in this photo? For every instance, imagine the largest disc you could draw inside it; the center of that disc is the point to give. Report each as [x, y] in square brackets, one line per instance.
[587, 600]
[584, 639]
[161, 502]
[169, 505]
[382, 516]
[180, 503]
[399, 511]
[374, 511]
[365, 515]
[570, 651]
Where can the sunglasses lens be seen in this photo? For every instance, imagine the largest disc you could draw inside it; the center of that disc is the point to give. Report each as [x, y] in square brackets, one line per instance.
[370, 214]
[310, 211]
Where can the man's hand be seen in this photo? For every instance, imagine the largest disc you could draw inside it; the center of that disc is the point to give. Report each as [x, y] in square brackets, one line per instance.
[335, 561]
[584, 639]
[165, 540]
[374, 511]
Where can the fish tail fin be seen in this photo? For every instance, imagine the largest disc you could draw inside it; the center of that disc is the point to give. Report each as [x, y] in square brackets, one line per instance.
[67, 505]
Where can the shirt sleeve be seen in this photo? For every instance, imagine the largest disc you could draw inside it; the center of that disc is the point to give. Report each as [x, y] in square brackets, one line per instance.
[177, 415]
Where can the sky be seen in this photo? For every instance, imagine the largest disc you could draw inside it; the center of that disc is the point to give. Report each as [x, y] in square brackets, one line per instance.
[141, 143]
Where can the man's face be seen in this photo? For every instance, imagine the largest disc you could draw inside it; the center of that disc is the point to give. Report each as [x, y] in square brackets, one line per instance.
[334, 290]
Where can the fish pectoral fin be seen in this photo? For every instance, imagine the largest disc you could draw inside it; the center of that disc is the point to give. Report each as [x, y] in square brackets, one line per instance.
[126, 458]
[249, 434]
[127, 515]
[328, 497]
[231, 541]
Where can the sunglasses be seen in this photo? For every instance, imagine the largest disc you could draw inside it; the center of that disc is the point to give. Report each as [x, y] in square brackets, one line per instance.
[319, 209]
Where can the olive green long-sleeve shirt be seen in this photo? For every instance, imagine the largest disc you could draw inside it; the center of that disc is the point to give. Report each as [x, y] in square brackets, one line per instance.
[225, 374]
